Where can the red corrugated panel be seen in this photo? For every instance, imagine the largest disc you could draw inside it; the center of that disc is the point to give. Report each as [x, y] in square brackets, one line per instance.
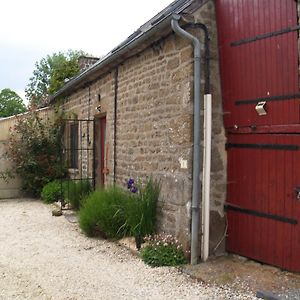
[263, 68]
[263, 172]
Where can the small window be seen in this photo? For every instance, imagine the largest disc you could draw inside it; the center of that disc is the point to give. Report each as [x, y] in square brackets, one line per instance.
[74, 146]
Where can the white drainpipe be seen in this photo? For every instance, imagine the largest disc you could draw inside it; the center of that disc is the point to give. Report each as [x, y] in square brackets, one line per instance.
[206, 176]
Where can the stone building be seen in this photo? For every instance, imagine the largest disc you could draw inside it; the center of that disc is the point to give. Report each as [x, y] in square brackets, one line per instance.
[132, 114]
[142, 93]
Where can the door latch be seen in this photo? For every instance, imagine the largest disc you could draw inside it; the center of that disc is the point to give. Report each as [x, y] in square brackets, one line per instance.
[260, 108]
[297, 190]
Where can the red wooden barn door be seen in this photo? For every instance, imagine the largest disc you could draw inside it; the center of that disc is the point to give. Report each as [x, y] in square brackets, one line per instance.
[259, 67]
[259, 61]
[262, 205]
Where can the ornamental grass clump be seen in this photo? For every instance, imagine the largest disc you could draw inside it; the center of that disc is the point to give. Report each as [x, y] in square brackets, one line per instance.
[103, 213]
[163, 250]
[115, 213]
[141, 209]
[75, 192]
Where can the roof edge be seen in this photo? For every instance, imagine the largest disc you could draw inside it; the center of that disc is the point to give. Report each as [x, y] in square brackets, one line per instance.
[158, 22]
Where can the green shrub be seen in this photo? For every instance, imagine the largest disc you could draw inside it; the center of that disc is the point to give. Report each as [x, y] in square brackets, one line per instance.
[163, 251]
[115, 213]
[52, 192]
[141, 209]
[34, 150]
[103, 213]
[76, 191]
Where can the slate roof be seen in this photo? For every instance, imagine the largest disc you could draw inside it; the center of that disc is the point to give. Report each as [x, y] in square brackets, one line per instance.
[136, 42]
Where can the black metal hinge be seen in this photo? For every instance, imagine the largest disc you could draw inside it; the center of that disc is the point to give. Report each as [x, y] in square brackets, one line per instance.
[267, 99]
[260, 214]
[264, 36]
[263, 146]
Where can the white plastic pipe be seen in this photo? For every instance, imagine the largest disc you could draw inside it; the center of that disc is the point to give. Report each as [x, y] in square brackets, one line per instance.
[206, 176]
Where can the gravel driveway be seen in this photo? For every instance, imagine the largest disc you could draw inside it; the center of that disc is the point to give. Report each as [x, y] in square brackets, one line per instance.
[45, 257]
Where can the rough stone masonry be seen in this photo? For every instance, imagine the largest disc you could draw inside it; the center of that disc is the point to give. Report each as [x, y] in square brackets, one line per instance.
[154, 124]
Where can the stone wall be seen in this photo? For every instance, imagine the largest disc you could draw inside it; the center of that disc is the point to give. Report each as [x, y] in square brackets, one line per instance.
[83, 105]
[12, 188]
[154, 119]
[154, 135]
[154, 123]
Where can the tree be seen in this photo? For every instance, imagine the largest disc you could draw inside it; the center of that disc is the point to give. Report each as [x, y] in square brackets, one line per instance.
[10, 103]
[50, 75]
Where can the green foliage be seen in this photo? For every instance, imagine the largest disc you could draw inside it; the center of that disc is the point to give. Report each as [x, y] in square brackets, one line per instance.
[73, 191]
[76, 190]
[163, 251]
[50, 74]
[103, 213]
[10, 103]
[141, 210]
[115, 213]
[34, 148]
[52, 191]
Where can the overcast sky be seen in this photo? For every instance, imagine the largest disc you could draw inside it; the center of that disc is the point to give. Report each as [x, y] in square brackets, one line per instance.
[31, 29]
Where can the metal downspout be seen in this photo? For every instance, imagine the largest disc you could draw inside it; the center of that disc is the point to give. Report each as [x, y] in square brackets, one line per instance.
[116, 83]
[197, 132]
[206, 54]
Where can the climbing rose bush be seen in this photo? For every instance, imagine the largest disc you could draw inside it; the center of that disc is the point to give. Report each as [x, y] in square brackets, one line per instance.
[34, 149]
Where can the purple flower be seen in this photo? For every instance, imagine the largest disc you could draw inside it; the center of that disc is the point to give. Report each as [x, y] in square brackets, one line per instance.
[131, 186]
[130, 183]
[133, 189]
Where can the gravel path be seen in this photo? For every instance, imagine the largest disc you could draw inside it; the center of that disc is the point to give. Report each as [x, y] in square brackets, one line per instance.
[45, 257]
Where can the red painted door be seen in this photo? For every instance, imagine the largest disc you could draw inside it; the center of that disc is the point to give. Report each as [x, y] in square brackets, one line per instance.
[100, 151]
[262, 205]
[258, 61]
[259, 66]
